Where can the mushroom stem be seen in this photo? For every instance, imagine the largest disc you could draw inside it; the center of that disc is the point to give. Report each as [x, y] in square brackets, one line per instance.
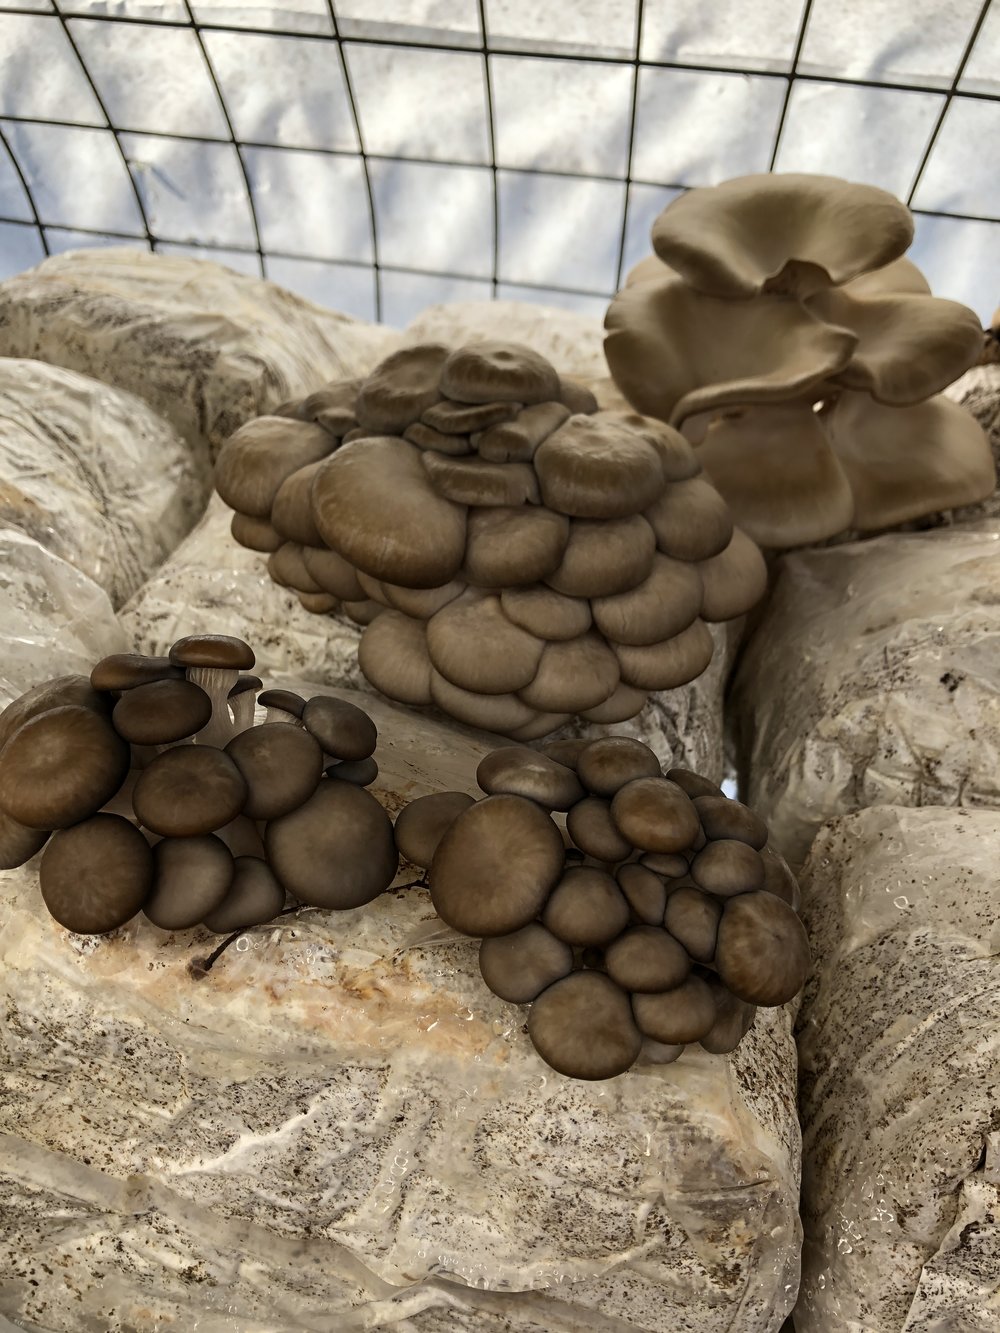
[279, 715]
[243, 707]
[200, 967]
[216, 682]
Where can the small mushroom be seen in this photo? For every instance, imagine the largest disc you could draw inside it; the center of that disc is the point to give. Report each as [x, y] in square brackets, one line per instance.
[576, 396]
[727, 867]
[546, 613]
[401, 388]
[625, 702]
[490, 371]
[457, 634]
[281, 766]
[288, 570]
[214, 661]
[646, 958]
[500, 713]
[422, 824]
[604, 557]
[61, 766]
[663, 604]
[519, 771]
[495, 866]
[291, 511]
[516, 441]
[426, 437]
[343, 729]
[465, 419]
[57, 693]
[475, 481]
[422, 603]
[664, 666]
[582, 1026]
[682, 1014]
[318, 603]
[692, 917]
[510, 546]
[124, 671]
[597, 467]
[260, 455]
[592, 828]
[256, 534]
[191, 877]
[733, 1020]
[18, 843]
[282, 706]
[393, 656]
[362, 772]
[762, 953]
[332, 573]
[519, 966]
[571, 675]
[566, 752]
[724, 818]
[607, 764]
[254, 896]
[362, 613]
[96, 875]
[733, 581]
[693, 783]
[655, 815]
[189, 790]
[161, 712]
[645, 891]
[586, 908]
[242, 700]
[691, 520]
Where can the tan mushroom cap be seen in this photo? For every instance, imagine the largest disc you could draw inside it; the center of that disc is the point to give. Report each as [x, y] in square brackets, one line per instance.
[693, 783]
[426, 437]
[645, 892]
[96, 875]
[474, 481]
[318, 603]
[598, 467]
[457, 639]
[582, 1026]
[586, 908]
[625, 702]
[733, 1020]
[571, 675]
[576, 395]
[401, 388]
[495, 866]
[595, 832]
[789, 232]
[905, 462]
[373, 589]
[256, 534]
[693, 917]
[566, 751]
[901, 276]
[191, 877]
[421, 825]
[664, 666]
[60, 766]
[392, 655]
[448, 418]
[604, 557]
[374, 503]
[516, 441]
[546, 613]
[733, 581]
[685, 1013]
[331, 406]
[691, 520]
[762, 953]
[671, 865]
[646, 958]
[260, 455]
[253, 897]
[491, 371]
[607, 764]
[291, 512]
[520, 771]
[287, 568]
[332, 573]
[677, 458]
[655, 815]
[676, 353]
[542, 724]
[501, 713]
[364, 612]
[509, 546]
[519, 966]
[422, 603]
[662, 605]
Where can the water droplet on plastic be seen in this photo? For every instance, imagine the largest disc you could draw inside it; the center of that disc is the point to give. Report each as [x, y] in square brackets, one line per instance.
[902, 902]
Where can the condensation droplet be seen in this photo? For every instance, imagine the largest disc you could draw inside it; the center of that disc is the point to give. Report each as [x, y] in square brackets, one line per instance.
[901, 902]
[242, 944]
[844, 1246]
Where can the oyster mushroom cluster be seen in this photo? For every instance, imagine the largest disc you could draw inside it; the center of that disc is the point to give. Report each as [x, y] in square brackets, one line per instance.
[779, 327]
[657, 917]
[516, 556]
[152, 788]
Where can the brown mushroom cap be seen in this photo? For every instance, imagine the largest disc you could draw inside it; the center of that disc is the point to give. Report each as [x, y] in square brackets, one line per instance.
[519, 771]
[422, 824]
[342, 729]
[655, 815]
[191, 877]
[161, 712]
[256, 534]
[495, 865]
[519, 966]
[596, 467]
[500, 713]
[733, 581]
[332, 573]
[291, 512]
[17, 843]
[693, 783]
[692, 917]
[513, 545]
[733, 1020]
[625, 702]
[546, 613]
[422, 603]
[393, 656]
[281, 766]
[586, 908]
[457, 635]
[426, 437]
[216, 651]
[57, 693]
[646, 958]
[691, 520]
[374, 504]
[607, 764]
[288, 570]
[682, 1014]
[475, 481]
[663, 604]
[727, 867]
[362, 772]
[664, 666]
[61, 766]
[677, 459]
[645, 891]
[572, 674]
[491, 371]
[671, 865]
[516, 441]
[96, 875]
[566, 752]
[124, 671]
[724, 818]
[762, 953]
[336, 850]
[254, 896]
[260, 455]
[453, 419]
[582, 1026]
[604, 557]
[190, 790]
[576, 396]
[592, 828]
[401, 388]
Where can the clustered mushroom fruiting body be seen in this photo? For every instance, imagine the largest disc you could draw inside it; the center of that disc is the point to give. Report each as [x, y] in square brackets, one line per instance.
[151, 789]
[516, 556]
[658, 917]
[778, 326]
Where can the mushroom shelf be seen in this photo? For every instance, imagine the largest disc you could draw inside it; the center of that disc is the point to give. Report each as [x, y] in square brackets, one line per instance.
[516, 556]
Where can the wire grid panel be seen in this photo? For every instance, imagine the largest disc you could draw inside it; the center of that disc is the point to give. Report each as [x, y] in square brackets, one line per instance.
[381, 155]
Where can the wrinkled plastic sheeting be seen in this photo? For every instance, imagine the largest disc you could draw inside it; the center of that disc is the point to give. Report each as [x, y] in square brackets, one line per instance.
[339, 1126]
[978, 390]
[207, 348]
[94, 475]
[54, 621]
[873, 677]
[899, 1050]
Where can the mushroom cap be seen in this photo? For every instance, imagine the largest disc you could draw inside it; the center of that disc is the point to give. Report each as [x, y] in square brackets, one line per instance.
[513, 545]
[902, 275]
[96, 875]
[374, 503]
[519, 771]
[586, 908]
[691, 520]
[665, 665]
[733, 581]
[566, 752]
[671, 865]
[596, 467]
[572, 674]
[541, 724]
[733, 1020]
[475, 481]
[792, 232]
[61, 766]
[500, 713]
[392, 655]
[646, 958]
[291, 511]
[693, 783]
[57, 693]
[18, 843]
[495, 866]
[576, 396]
[124, 671]
[245, 685]
[401, 388]
[677, 459]
[724, 818]
[287, 569]
[318, 603]
[726, 867]
[362, 772]
[218, 651]
[161, 712]
[607, 764]
[426, 437]
[254, 896]
[457, 634]
[342, 729]
[546, 613]
[449, 418]
[260, 455]
[762, 953]
[336, 850]
[422, 824]
[516, 441]
[692, 917]
[287, 700]
[191, 877]
[592, 828]
[519, 966]
[331, 572]
[421, 603]
[491, 371]
[684, 1013]
[281, 766]
[604, 557]
[655, 815]
[663, 604]
[190, 790]
[645, 891]
[256, 534]
[582, 1026]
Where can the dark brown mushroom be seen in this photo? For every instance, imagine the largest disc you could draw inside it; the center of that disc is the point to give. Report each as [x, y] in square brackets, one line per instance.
[607, 764]
[161, 712]
[17, 843]
[214, 661]
[124, 671]
[477, 482]
[723, 818]
[671, 865]
[189, 790]
[693, 783]
[645, 891]
[57, 693]
[733, 1020]
[254, 896]
[422, 824]
[727, 867]
[655, 815]
[519, 966]
[362, 772]
[592, 828]
[517, 770]
[693, 917]
[646, 958]
[61, 766]
[96, 875]
[762, 953]
[566, 752]
[281, 766]
[191, 877]
[582, 1026]
[586, 908]
[685, 1013]
[282, 706]
[342, 729]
